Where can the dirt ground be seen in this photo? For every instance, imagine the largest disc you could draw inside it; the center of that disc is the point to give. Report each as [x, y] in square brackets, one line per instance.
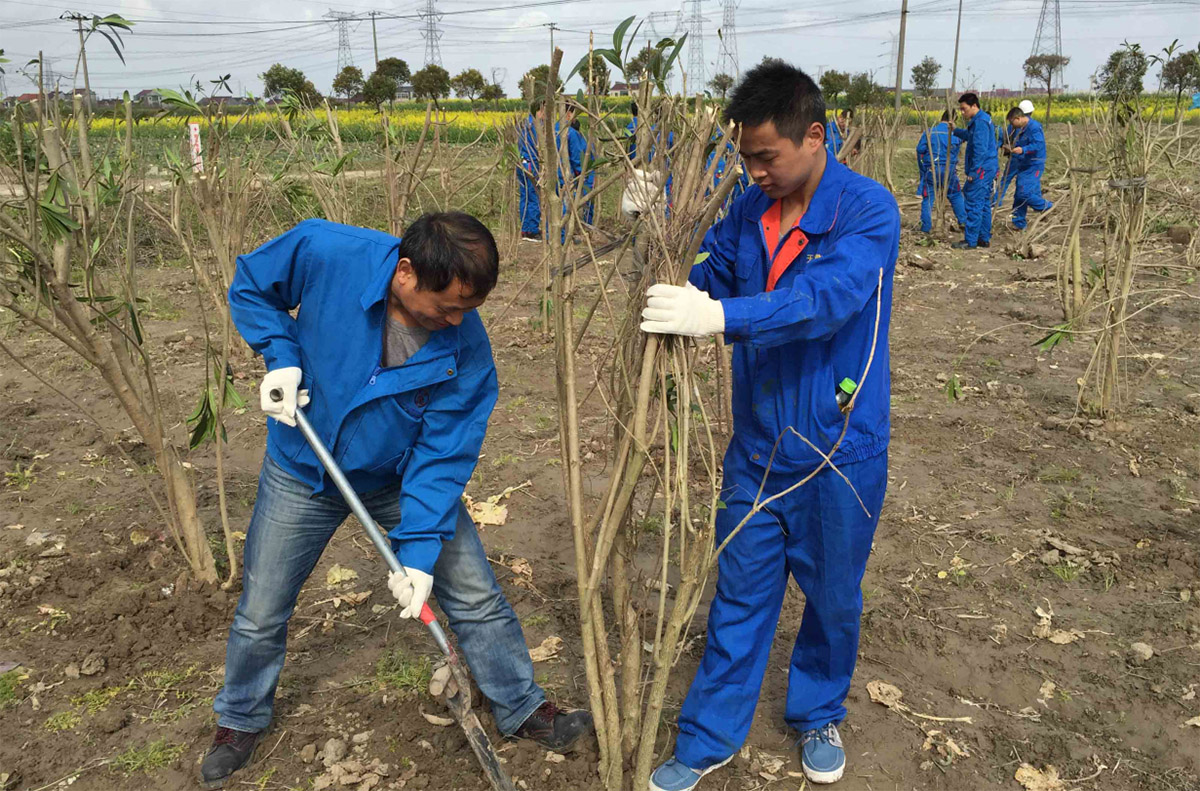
[1020, 557]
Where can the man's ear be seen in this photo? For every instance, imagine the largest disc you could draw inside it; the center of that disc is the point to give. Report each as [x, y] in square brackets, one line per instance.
[405, 271]
[816, 134]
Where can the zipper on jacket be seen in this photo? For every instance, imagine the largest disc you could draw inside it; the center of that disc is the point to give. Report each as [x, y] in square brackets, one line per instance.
[374, 375]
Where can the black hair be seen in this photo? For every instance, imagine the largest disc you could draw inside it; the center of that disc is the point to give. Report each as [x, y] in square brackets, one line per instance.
[945, 115]
[777, 92]
[1015, 112]
[448, 246]
[969, 99]
[633, 109]
[537, 104]
[848, 112]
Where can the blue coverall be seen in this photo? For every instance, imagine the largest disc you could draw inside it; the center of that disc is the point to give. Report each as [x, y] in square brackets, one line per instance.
[941, 141]
[791, 347]
[1029, 165]
[527, 177]
[981, 167]
[833, 137]
[577, 151]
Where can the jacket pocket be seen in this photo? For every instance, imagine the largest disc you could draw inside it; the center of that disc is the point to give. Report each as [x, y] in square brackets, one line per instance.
[384, 434]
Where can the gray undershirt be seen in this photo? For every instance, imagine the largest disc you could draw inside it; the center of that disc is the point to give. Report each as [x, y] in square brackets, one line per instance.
[401, 342]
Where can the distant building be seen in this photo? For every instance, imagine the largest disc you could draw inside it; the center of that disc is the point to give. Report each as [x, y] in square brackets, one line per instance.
[404, 91]
[623, 89]
[148, 98]
[25, 98]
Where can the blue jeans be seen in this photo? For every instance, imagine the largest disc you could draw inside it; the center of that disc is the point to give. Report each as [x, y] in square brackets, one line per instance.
[818, 535]
[287, 534]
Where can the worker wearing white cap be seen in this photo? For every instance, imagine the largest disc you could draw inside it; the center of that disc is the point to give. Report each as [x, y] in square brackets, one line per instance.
[1026, 107]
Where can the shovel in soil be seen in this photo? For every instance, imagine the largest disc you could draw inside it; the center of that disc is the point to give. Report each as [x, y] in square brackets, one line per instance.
[460, 702]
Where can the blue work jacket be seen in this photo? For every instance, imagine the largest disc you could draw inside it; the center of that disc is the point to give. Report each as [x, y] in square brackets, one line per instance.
[980, 137]
[794, 344]
[939, 141]
[420, 424]
[833, 137]
[1032, 142]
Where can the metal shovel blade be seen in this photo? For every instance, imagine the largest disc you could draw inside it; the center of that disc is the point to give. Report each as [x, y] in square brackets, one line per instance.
[460, 702]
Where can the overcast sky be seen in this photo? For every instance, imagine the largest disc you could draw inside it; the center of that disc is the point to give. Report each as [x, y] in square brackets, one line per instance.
[178, 41]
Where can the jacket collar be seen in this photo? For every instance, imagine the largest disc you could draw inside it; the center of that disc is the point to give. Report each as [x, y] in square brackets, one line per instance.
[380, 283]
[822, 209]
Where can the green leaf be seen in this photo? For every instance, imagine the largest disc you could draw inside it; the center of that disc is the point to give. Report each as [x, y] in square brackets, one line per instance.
[953, 389]
[1060, 333]
[115, 46]
[134, 323]
[332, 167]
[57, 222]
[205, 420]
[721, 505]
[619, 33]
[579, 67]
[700, 258]
[180, 101]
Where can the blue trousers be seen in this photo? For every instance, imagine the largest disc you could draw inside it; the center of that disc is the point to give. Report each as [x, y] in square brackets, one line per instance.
[287, 534]
[978, 196]
[1028, 196]
[929, 195]
[819, 535]
[529, 202]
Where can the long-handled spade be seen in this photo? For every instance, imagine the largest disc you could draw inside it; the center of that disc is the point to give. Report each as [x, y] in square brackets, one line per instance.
[460, 701]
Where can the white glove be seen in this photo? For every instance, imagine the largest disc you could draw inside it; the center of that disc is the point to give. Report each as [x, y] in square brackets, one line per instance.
[682, 310]
[641, 193]
[286, 380]
[411, 591]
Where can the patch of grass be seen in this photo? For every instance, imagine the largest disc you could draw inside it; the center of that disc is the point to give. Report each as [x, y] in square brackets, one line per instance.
[1065, 572]
[97, 700]
[164, 679]
[62, 721]
[503, 459]
[21, 476]
[1058, 474]
[1110, 579]
[652, 524]
[398, 670]
[544, 422]
[148, 758]
[516, 403]
[537, 621]
[162, 309]
[10, 683]
[74, 508]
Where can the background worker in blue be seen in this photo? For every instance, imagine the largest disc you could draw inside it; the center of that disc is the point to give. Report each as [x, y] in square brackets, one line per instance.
[577, 154]
[981, 167]
[833, 136]
[1028, 162]
[934, 151]
[390, 358]
[528, 134]
[794, 277]
[1005, 140]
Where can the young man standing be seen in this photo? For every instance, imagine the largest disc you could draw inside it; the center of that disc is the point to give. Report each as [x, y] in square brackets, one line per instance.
[528, 134]
[392, 363]
[937, 159]
[981, 167]
[1028, 162]
[799, 278]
